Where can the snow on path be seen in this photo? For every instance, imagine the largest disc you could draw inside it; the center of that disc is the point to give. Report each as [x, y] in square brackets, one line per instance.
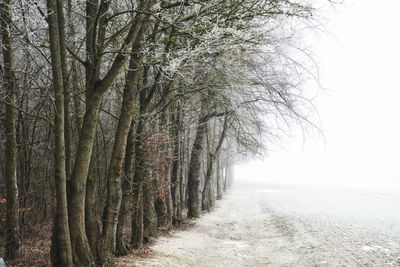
[269, 225]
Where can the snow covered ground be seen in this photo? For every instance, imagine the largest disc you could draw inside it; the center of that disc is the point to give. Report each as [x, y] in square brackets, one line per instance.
[261, 224]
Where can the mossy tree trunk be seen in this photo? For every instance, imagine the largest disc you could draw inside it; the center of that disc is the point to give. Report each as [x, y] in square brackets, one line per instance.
[67, 90]
[196, 153]
[194, 171]
[92, 226]
[176, 165]
[12, 221]
[163, 202]
[137, 190]
[149, 210]
[61, 246]
[121, 247]
[207, 197]
[95, 90]
[114, 191]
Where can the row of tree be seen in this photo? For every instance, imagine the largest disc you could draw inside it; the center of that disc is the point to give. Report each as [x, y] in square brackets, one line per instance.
[121, 117]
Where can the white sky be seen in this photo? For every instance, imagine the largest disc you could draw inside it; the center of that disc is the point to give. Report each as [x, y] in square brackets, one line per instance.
[360, 113]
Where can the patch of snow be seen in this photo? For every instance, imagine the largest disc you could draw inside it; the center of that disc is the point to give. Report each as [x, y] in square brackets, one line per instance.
[270, 191]
[375, 248]
[236, 243]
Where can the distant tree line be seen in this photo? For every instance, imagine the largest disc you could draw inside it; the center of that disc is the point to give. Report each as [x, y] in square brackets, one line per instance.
[123, 117]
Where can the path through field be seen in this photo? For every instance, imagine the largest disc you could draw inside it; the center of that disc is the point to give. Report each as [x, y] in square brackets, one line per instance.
[260, 224]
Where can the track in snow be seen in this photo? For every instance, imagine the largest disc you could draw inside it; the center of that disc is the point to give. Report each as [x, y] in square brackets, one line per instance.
[260, 224]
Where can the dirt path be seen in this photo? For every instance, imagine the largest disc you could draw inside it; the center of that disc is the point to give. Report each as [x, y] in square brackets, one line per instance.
[267, 225]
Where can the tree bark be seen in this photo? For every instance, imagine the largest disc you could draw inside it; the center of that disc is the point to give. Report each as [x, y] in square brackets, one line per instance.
[160, 205]
[207, 196]
[92, 226]
[121, 247]
[12, 223]
[91, 222]
[95, 89]
[137, 215]
[176, 167]
[206, 199]
[185, 154]
[194, 171]
[226, 174]
[162, 199]
[149, 211]
[82, 253]
[219, 179]
[67, 90]
[114, 191]
[141, 178]
[61, 246]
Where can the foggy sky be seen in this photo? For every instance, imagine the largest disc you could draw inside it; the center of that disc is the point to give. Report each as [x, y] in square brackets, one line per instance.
[359, 108]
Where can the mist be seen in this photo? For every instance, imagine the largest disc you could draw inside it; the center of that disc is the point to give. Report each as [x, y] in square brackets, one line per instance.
[358, 107]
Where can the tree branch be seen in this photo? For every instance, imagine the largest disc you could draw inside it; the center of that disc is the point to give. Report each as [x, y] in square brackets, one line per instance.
[28, 113]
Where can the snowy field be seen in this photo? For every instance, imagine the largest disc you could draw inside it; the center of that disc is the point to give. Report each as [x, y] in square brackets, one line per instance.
[261, 224]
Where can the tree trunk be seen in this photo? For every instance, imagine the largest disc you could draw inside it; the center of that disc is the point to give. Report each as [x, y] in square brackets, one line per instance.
[61, 246]
[92, 226]
[149, 211]
[161, 209]
[67, 90]
[137, 215]
[226, 175]
[206, 199]
[185, 154]
[82, 253]
[170, 208]
[95, 89]
[162, 197]
[121, 247]
[194, 171]
[114, 191]
[219, 179]
[224, 178]
[207, 194]
[12, 223]
[143, 196]
[176, 168]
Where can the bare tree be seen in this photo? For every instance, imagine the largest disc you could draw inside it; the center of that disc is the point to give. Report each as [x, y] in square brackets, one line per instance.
[12, 224]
